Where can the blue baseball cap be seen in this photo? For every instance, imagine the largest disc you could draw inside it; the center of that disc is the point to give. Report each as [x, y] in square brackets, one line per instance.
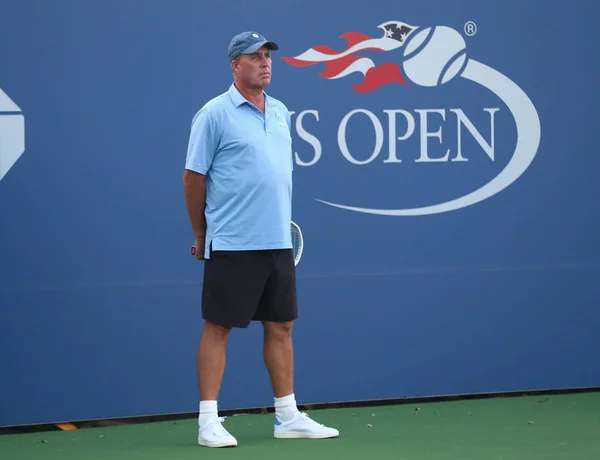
[248, 43]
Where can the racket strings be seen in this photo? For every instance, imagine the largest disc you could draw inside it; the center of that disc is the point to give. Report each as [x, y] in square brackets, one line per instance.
[297, 243]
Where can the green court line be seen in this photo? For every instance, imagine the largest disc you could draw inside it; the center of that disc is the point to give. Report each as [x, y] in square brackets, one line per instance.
[532, 427]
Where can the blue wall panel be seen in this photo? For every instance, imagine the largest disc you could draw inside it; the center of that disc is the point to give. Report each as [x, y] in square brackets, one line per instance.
[100, 301]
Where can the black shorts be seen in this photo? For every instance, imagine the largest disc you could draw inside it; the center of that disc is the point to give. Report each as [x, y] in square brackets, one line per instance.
[244, 286]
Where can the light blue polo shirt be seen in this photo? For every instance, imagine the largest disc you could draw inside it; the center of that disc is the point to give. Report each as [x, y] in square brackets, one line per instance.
[247, 159]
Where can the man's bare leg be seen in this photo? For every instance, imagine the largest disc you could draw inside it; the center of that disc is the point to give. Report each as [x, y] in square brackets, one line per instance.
[211, 367]
[279, 357]
[211, 360]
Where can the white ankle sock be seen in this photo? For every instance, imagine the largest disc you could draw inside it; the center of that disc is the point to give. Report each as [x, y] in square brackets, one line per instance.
[285, 408]
[208, 411]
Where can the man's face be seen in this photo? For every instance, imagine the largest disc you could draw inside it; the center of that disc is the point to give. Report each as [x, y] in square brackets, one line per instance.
[254, 70]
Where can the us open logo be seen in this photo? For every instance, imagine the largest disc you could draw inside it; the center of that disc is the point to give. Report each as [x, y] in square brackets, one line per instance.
[12, 134]
[428, 57]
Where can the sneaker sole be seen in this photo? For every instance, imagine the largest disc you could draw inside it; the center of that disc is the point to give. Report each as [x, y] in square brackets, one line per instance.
[293, 435]
[216, 444]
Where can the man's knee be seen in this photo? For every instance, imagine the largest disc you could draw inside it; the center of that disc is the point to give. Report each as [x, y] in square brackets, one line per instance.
[278, 330]
[216, 331]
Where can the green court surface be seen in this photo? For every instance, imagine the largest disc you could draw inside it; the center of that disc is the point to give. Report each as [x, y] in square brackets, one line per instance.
[551, 427]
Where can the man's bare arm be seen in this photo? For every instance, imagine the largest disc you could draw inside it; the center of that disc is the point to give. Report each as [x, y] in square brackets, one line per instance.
[194, 186]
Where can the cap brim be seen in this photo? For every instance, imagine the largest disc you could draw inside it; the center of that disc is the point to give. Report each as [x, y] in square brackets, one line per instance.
[256, 46]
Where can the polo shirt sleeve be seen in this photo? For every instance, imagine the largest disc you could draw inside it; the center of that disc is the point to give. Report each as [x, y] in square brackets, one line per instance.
[203, 142]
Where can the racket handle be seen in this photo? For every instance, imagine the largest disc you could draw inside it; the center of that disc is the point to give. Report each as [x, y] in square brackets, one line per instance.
[193, 250]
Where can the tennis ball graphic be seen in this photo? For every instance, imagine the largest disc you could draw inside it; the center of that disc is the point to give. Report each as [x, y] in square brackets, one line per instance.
[434, 56]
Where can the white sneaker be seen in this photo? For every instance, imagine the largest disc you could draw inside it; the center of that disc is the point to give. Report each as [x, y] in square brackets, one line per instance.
[302, 426]
[213, 434]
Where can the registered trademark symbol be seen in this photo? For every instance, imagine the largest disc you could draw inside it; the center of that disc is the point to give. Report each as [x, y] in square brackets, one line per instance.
[470, 28]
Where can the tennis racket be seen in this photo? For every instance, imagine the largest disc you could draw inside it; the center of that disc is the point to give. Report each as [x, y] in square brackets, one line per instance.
[297, 242]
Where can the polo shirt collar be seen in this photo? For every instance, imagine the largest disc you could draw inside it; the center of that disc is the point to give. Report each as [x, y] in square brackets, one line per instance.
[238, 99]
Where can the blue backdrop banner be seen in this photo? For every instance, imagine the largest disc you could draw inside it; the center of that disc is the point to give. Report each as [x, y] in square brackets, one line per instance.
[445, 183]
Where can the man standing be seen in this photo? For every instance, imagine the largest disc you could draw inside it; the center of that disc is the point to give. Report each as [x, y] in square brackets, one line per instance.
[238, 192]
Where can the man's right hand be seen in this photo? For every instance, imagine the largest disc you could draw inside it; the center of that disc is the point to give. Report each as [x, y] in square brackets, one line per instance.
[199, 248]
[195, 201]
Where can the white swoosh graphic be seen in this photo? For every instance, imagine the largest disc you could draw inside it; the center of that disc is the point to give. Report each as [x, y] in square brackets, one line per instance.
[12, 134]
[528, 140]
[7, 104]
